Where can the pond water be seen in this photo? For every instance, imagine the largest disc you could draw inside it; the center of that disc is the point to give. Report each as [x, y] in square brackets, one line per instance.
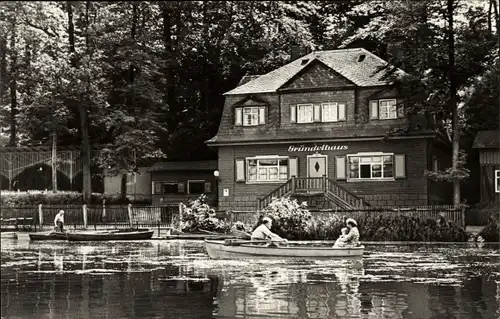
[176, 279]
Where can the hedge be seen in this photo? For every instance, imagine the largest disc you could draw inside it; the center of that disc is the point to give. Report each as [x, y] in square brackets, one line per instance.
[59, 198]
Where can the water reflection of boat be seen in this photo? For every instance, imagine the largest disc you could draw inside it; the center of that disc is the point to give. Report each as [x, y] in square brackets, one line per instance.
[247, 249]
[111, 235]
[48, 236]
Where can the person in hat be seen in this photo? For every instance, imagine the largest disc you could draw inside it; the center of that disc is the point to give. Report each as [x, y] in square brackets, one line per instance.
[263, 232]
[59, 221]
[352, 238]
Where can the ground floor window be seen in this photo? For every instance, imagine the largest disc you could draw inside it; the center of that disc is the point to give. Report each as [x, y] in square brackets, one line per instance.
[168, 187]
[370, 166]
[497, 181]
[199, 187]
[265, 169]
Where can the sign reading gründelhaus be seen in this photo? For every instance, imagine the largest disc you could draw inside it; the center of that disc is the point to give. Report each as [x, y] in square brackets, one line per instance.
[315, 148]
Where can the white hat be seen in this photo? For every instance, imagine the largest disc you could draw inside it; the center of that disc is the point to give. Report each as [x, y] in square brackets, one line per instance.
[266, 220]
[350, 220]
[61, 211]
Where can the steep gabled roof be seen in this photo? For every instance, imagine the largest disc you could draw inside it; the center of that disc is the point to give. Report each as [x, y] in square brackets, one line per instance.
[367, 72]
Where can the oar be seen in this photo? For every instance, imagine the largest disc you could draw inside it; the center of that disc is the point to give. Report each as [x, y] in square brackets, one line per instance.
[232, 242]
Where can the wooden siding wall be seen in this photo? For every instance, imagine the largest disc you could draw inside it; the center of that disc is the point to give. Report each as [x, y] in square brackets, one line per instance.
[411, 190]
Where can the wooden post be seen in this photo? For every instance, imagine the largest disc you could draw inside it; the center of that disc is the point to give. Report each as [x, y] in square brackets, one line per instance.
[294, 185]
[181, 208]
[40, 215]
[323, 186]
[84, 208]
[462, 216]
[103, 209]
[130, 216]
[54, 161]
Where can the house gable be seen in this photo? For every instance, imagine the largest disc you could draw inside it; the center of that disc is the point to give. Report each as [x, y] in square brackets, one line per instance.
[316, 75]
[250, 100]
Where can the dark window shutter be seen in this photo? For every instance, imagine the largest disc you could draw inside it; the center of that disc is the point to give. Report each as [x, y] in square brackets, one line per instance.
[399, 166]
[238, 116]
[208, 187]
[293, 166]
[181, 187]
[401, 110]
[373, 109]
[340, 167]
[293, 113]
[239, 169]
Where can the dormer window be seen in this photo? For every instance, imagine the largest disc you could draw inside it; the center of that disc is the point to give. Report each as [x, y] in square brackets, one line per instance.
[250, 116]
[386, 109]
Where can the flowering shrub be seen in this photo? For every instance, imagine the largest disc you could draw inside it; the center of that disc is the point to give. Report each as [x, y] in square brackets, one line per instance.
[293, 221]
[290, 219]
[199, 216]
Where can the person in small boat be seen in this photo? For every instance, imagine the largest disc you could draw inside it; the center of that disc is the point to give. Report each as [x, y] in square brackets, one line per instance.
[59, 221]
[352, 238]
[341, 241]
[263, 232]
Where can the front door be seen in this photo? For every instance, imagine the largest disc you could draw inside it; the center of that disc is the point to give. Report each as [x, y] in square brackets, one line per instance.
[316, 165]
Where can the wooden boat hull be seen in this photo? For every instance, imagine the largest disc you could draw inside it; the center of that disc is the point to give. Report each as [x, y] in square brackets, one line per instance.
[48, 236]
[218, 250]
[8, 235]
[200, 237]
[114, 235]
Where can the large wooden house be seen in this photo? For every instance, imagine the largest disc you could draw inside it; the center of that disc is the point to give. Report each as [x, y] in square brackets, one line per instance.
[314, 129]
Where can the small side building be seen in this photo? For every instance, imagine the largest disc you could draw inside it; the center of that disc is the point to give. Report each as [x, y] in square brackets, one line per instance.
[488, 145]
[175, 182]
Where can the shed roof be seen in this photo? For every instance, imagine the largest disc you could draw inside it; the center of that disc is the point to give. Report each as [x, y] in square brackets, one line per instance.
[367, 71]
[184, 166]
[487, 139]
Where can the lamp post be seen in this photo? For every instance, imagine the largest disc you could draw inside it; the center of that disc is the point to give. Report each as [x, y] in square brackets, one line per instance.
[216, 175]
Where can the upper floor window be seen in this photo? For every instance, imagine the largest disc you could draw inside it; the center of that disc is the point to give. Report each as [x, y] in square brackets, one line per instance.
[250, 116]
[324, 112]
[305, 113]
[385, 109]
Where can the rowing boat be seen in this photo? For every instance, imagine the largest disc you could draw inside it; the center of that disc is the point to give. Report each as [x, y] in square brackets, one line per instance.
[8, 235]
[249, 249]
[111, 235]
[48, 236]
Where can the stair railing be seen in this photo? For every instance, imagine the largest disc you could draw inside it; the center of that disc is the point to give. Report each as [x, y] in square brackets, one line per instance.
[284, 189]
[343, 195]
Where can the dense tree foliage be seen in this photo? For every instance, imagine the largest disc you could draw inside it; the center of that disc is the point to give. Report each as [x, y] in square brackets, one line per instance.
[145, 79]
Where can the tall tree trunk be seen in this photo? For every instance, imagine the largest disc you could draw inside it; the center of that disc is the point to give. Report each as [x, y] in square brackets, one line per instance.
[54, 161]
[13, 85]
[82, 111]
[169, 59]
[453, 102]
[4, 79]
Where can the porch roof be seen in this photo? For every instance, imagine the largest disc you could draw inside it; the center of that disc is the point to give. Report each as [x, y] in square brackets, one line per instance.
[487, 139]
[184, 166]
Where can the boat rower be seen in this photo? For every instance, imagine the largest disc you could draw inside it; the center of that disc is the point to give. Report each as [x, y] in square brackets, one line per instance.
[59, 221]
[263, 232]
